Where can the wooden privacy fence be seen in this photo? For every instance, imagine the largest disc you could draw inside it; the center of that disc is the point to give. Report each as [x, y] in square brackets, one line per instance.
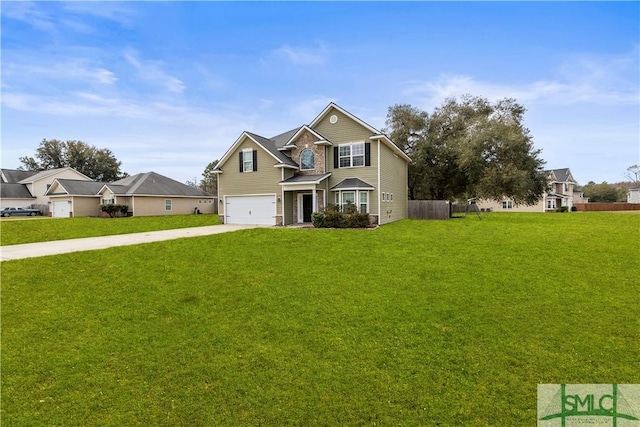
[429, 209]
[607, 206]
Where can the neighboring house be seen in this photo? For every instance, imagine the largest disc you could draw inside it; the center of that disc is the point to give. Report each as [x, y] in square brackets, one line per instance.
[34, 186]
[15, 195]
[633, 195]
[578, 196]
[145, 193]
[561, 191]
[337, 159]
[14, 175]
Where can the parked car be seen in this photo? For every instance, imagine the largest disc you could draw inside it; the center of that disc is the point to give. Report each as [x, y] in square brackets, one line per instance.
[19, 211]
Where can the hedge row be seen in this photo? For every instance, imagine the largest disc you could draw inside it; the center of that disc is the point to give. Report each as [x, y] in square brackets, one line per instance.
[333, 218]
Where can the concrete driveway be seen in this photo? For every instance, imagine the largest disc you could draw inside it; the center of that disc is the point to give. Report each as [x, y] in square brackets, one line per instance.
[30, 250]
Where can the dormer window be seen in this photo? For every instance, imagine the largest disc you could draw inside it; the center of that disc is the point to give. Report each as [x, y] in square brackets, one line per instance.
[307, 159]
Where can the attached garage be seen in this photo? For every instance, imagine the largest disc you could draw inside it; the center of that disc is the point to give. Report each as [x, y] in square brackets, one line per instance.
[260, 209]
[61, 209]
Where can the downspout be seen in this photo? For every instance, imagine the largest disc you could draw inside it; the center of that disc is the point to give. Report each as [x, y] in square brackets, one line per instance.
[379, 189]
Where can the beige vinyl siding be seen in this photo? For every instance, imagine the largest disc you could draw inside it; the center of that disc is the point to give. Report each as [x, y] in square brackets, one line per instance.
[155, 205]
[393, 180]
[85, 206]
[39, 187]
[344, 130]
[497, 206]
[266, 180]
[368, 174]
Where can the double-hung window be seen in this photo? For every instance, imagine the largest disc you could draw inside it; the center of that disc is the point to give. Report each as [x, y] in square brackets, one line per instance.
[551, 203]
[348, 198]
[364, 202]
[247, 160]
[351, 155]
[359, 199]
[167, 204]
[507, 204]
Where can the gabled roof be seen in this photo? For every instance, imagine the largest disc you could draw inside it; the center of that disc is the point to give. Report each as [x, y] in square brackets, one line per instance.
[13, 190]
[352, 184]
[333, 105]
[152, 184]
[375, 133]
[285, 137]
[47, 173]
[321, 138]
[74, 187]
[268, 145]
[284, 141]
[15, 175]
[561, 175]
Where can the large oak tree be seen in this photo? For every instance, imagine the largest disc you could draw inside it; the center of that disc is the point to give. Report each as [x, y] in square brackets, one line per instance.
[99, 164]
[469, 148]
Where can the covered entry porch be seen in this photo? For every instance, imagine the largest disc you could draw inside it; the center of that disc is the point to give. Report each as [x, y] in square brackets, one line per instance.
[303, 195]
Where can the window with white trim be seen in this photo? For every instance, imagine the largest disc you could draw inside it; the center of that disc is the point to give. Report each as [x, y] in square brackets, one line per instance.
[351, 155]
[307, 159]
[348, 198]
[247, 160]
[358, 198]
[364, 202]
[167, 204]
[507, 204]
[551, 203]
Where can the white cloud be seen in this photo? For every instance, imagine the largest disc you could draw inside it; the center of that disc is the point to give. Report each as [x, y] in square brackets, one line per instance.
[297, 55]
[29, 13]
[110, 10]
[44, 16]
[27, 70]
[587, 79]
[153, 72]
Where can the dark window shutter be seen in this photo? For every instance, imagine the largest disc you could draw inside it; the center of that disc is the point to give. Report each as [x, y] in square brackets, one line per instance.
[336, 163]
[241, 163]
[367, 154]
[255, 160]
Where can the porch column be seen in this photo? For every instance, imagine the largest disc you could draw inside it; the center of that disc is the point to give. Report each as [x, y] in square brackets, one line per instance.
[315, 200]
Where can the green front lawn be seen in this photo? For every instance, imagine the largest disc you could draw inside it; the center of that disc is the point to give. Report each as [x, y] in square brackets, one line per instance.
[416, 323]
[47, 229]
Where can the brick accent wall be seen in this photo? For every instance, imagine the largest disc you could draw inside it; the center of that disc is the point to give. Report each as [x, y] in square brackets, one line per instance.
[304, 141]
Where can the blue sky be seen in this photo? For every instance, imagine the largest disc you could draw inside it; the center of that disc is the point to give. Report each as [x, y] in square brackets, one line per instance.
[169, 86]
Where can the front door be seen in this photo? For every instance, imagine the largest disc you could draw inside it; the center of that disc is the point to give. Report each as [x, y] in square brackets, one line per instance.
[307, 207]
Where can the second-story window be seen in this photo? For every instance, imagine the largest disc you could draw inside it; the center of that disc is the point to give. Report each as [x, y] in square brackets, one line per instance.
[351, 155]
[307, 159]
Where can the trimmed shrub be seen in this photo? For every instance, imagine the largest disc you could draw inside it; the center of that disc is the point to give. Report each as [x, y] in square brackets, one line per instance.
[318, 219]
[114, 210]
[331, 217]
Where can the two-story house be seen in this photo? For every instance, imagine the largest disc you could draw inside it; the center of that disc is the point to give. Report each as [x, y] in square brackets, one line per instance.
[337, 158]
[561, 191]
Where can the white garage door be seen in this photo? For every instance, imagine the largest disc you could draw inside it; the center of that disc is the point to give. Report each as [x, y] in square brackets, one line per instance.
[61, 209]
[250, 210]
